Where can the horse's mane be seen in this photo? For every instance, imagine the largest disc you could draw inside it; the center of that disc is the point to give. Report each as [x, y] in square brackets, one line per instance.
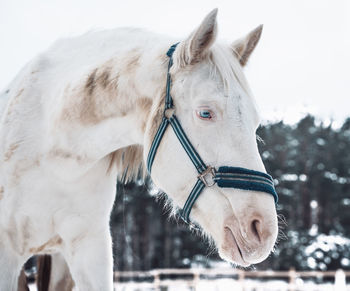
[129, 160]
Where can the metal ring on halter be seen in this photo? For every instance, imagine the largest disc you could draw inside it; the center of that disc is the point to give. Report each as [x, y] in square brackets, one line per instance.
[169, 112]
[208, 173]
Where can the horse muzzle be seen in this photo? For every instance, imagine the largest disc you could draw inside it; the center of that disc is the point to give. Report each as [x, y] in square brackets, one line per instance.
[248, 240]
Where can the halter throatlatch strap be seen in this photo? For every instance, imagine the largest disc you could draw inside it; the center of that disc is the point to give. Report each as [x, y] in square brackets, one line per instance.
[224, 177]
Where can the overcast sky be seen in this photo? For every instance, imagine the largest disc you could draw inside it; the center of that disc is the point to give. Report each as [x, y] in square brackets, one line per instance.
[301, 65]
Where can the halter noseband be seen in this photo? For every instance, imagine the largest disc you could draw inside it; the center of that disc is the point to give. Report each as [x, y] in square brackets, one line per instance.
[208, 176]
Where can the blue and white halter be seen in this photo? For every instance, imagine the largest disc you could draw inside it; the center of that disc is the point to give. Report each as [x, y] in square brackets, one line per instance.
[208, 176]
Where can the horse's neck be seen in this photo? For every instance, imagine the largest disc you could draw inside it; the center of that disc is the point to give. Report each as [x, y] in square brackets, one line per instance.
[91, 106]
[116, 97]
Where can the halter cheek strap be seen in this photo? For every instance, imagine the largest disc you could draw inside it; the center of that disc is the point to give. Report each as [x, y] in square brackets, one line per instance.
[224, 177]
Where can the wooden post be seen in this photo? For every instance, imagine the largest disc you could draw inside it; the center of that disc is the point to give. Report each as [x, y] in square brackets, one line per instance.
[196, 278]
[339, 280]
[241, 278]
[116, 277]
[156, 280]
[292, 276]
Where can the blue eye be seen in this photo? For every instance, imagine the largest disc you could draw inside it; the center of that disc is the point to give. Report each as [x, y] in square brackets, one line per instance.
[205, 114]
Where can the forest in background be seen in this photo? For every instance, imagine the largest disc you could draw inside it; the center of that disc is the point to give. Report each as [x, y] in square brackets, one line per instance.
[310, 163]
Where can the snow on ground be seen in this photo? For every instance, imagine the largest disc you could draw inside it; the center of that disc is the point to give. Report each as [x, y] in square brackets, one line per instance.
[227, 284]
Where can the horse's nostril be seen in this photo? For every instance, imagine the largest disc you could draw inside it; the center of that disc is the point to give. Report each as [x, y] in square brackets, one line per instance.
[256, 229]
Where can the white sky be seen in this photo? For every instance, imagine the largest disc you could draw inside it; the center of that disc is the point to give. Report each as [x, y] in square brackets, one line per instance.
[301, 65]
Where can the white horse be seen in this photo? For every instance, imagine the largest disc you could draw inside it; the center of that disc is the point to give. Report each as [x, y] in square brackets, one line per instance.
[87, 110]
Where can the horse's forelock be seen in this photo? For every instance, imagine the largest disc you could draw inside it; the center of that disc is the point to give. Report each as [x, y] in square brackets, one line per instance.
[226, 64]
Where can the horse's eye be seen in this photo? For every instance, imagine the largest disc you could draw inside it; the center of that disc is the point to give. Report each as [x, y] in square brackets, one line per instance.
[205, 114]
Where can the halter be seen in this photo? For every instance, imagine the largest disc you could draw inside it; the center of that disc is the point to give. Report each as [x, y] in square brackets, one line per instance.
[208, 176]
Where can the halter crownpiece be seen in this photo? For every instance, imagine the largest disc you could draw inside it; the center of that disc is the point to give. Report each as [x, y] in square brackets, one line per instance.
[208, 176]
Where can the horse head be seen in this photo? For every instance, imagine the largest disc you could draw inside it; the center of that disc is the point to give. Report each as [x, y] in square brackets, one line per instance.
[214, 105]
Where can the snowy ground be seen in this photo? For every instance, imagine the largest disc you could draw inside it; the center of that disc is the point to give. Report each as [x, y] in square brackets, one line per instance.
[229, 284]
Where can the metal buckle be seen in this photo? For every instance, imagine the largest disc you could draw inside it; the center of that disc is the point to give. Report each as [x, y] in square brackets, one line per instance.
[207, 177]
[168, 113]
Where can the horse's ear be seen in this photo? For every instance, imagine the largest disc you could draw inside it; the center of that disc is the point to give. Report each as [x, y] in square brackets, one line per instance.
[244, 47]
[196, 46]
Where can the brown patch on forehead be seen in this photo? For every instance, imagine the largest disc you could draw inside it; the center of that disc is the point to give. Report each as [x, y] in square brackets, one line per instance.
[48, 246]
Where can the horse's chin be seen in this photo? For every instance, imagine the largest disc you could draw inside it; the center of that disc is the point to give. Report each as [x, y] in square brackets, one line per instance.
[236, 252]
[236, 258]
[230, 250]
